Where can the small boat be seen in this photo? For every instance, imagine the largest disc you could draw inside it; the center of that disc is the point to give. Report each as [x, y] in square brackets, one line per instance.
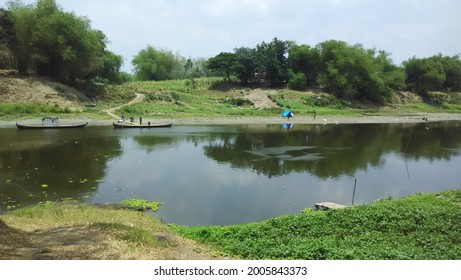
[131, 125]
[58, 126]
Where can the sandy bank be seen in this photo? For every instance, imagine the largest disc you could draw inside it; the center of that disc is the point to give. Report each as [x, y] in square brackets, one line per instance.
[413, 118]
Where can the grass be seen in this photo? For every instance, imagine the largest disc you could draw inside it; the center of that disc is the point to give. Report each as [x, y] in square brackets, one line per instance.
[423, 226]
[141, 203]
[15, 110]
[212, 98]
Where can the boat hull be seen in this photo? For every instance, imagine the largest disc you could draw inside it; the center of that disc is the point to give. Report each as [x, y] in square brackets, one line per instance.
[63, 126]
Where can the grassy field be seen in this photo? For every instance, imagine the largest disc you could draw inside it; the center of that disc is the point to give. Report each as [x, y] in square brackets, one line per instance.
[422, 226]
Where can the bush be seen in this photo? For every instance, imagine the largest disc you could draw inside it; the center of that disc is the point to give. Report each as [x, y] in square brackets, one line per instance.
[297, 82]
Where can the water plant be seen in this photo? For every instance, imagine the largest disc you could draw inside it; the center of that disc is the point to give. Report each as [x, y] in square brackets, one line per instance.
[140, 203]
[422, 226]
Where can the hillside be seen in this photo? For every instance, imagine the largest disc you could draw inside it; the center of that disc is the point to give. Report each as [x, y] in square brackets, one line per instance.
[31, 89]
[200, 99]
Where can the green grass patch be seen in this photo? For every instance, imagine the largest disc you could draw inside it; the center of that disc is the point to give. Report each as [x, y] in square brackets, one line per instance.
[17, 110]
[140, 203]
[423, 226]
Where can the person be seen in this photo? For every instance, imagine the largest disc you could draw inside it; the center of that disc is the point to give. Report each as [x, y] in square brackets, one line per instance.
[140, 120]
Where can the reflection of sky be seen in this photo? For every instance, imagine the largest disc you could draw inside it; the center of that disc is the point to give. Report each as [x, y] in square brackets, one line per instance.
[197, 190]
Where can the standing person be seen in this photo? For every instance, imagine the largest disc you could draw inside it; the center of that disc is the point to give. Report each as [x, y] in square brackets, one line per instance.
[140, 120]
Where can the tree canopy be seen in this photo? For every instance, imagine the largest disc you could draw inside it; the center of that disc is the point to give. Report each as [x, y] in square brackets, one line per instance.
[43, 39]
[46, 40]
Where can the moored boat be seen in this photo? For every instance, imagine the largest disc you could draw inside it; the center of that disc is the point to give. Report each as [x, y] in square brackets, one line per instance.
[132, 125]
[57, 126]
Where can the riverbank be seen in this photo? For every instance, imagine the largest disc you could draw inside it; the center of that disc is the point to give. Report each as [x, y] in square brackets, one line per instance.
[421, 226]
[398, 118]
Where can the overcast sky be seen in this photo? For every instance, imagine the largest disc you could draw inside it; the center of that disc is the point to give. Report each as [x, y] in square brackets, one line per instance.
[204, 28]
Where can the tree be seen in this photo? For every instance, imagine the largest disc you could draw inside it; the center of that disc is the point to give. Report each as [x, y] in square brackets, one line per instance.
[110, 71]
[272, 61]
[351, 72]
[224, 63]
[452, 69]
[24, 19]
[297, 81]
[6, 36]
[55, 43]
[441, 73]
[65, 45]
[152, 64]
[424, 75]
[304, 59]
[246, 57]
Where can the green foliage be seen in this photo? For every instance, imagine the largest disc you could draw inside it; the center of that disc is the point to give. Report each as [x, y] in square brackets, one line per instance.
[154, 65]
[424, 226]
[31, 109]
[272, 61]
[224, 63]
[246, 57]
[140, 203]
[297, 82]
[436, 73]
[51, 42]
[352, 72]
[306, 60]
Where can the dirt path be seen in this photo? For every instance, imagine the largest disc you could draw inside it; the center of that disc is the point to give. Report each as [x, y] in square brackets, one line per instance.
[138, 99]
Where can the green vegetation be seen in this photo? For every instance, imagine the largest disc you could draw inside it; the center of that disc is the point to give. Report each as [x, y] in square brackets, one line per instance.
[120, 234]
[45, 40]
[422, 226]
[14, 110]
[140, 203]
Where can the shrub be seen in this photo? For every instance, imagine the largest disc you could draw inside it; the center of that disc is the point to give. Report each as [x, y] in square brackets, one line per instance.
[297, 82]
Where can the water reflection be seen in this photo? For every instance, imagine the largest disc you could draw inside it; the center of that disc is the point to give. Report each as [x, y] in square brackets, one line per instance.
[45, 165]
[226, 174]
[331, 151]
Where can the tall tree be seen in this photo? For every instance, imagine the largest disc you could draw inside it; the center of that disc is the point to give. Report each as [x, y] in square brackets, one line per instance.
[424, 74]
[351, 72]
[24, 19]
[224, 63]
[6, 36]
[66, 46]
[246, 57]
[153, 64]
[55, 43]
[272, 61]
[304, 59]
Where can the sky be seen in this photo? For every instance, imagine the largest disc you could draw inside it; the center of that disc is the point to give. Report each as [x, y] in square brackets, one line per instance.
[204, 28]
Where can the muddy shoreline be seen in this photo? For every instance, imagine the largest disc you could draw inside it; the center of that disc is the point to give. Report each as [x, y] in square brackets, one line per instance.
[411, 118]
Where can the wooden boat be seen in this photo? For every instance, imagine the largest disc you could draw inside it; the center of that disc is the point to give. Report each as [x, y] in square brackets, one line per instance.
[58, 126]
[131, 125]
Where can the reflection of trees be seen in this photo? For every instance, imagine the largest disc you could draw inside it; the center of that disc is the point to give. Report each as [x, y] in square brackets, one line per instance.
[149, 142]
[60, 167]
[433, 141]
[333, 150]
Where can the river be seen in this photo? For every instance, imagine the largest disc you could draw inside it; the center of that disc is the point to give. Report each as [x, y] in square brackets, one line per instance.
[229, 174]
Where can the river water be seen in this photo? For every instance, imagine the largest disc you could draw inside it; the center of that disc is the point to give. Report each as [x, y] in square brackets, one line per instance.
[229, 174]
